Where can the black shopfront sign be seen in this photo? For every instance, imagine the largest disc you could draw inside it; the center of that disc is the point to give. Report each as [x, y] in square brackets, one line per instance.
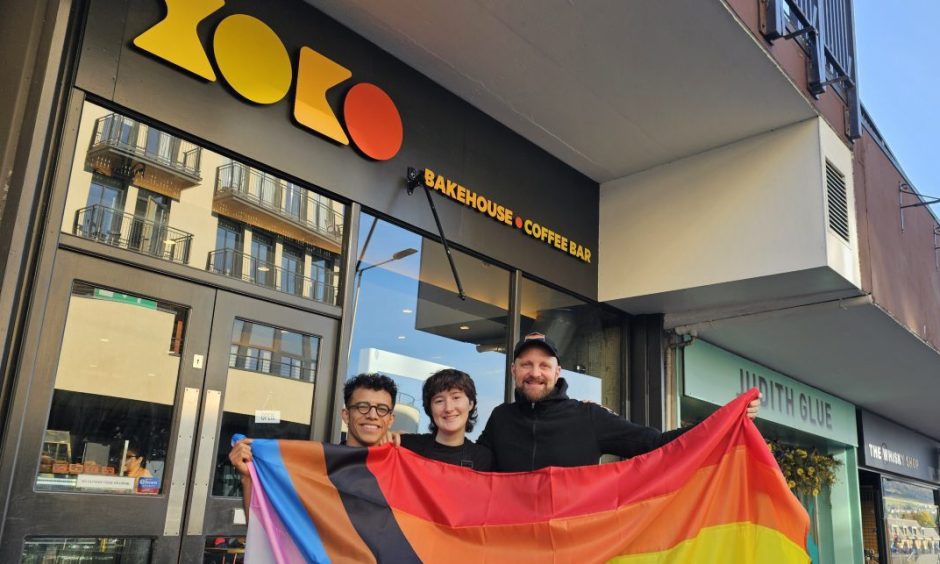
[439, 129]
[887, 446]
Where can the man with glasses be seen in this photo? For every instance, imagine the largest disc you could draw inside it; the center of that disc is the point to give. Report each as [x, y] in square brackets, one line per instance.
[369, 408]
[368, 412]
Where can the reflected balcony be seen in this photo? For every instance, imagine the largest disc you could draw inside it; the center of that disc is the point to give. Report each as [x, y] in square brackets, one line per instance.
[144, 156]
[127, 231]
[276, 205]
[235, 264]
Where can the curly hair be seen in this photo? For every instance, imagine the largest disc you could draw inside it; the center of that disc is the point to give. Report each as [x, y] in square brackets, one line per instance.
[377, 382]
[449, 379]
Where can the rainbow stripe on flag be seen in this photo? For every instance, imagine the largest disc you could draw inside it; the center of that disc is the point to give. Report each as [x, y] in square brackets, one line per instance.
[715, 494]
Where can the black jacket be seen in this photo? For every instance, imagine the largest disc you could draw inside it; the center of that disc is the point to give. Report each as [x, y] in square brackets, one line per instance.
[558, 431]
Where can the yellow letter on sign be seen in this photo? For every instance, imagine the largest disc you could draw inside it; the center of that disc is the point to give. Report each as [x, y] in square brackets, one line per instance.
[315, 75]
[252, 59]
[174, 37]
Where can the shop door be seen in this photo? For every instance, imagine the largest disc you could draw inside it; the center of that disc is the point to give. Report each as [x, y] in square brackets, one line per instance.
[139, 384]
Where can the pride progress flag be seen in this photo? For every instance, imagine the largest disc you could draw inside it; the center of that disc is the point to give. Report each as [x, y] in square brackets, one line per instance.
[715, 494]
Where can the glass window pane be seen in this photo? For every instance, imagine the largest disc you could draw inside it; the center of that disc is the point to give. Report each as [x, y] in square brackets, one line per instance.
[109, 423]
[138, 188]
[86, 549]
[268, 391]
[224, 550]
[410, 322]
[911, 521]
[588, 339]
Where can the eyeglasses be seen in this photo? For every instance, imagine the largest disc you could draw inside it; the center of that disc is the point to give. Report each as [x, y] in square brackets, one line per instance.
[365, 407]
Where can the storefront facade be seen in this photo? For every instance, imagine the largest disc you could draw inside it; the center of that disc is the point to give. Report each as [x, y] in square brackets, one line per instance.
[900, 485]
[808, 430]
[227, 239]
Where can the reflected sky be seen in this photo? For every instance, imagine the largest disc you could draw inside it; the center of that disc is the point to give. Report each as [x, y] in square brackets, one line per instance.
[386, 316]
[386, 337]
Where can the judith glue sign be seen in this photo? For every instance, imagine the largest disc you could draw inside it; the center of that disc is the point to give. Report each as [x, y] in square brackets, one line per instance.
[717, 376]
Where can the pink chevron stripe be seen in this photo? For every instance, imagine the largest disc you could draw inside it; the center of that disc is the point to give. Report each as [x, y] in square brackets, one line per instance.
[268, 539]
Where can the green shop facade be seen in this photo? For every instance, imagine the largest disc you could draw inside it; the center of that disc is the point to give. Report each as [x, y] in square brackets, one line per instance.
[806, 428]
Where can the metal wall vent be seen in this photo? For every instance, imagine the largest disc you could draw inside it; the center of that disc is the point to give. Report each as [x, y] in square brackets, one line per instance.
[837, 201]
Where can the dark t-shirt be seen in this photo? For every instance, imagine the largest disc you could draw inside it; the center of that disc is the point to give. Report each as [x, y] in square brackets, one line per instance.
[469, 454]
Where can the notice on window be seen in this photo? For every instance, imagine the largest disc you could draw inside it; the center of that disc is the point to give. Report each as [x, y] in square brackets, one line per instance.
[104, 483]
[267, 416]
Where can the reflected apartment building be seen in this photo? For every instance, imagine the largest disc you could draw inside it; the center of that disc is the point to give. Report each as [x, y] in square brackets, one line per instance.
[156, 194]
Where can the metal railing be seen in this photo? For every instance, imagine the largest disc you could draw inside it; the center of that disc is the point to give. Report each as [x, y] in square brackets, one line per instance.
[235, 264]
[301, 370]
[141, 140]
[127, 231]
[827, 29]
[287, 200]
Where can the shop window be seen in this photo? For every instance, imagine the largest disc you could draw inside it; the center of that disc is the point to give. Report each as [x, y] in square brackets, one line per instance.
[109, 423]
[268, 366]
[218, 202]
[410, 321]
[911, 522]
[86, 549]
[224, 550]
[588, 337]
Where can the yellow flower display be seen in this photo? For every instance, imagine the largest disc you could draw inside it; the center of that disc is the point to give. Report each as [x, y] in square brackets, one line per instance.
[807, 472]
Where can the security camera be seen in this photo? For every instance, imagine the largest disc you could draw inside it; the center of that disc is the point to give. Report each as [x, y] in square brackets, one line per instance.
[412, 178]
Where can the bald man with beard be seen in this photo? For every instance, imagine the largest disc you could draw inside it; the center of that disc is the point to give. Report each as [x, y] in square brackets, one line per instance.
[544, 427]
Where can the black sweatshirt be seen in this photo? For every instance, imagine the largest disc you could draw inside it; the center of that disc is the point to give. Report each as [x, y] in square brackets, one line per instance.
[468, 455]
[557, 431]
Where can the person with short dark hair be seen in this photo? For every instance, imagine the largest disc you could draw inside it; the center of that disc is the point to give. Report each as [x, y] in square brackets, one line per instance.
[368, 408]
[135, 463]
[450, 400]
[368, 412]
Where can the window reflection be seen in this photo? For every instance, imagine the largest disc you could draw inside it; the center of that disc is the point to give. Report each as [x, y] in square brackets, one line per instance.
[99, 550]
[911, 521]
[410, 322]
[224, 550]
[268, 391]
[588, 339]
[142, 189]
[115, 385]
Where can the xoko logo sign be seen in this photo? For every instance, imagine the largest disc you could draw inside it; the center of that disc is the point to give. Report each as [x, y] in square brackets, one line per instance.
[255, 63]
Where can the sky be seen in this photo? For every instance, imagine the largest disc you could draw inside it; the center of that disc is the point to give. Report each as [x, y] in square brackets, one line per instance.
[899, 82]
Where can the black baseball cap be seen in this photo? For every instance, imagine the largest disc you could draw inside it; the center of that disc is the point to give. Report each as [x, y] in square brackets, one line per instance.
[535, 340]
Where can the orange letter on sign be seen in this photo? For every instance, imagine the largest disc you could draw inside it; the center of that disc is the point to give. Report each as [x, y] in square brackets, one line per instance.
[174, 38]
[315, 75]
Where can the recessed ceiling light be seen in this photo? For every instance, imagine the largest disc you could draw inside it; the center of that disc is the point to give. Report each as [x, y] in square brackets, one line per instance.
[407, 310]
[401, 337]
[104, 340]
[464, 327]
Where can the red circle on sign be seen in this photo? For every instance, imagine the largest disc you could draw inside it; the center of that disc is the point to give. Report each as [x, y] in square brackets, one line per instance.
[372, 121]
[518, 222]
